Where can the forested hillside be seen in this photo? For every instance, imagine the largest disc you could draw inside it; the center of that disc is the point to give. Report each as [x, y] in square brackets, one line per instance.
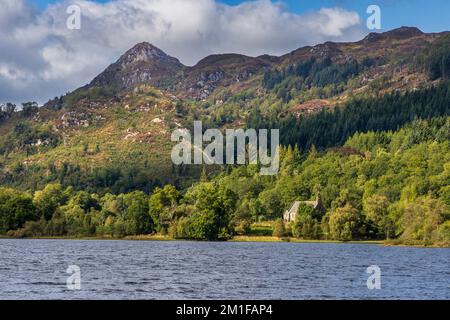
[365, 125]
[333, 127]
[379, 185]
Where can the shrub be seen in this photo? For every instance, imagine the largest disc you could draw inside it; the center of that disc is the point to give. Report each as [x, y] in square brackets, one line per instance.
[243, 228]
[306, 227]
[344, 224]
[279, 229]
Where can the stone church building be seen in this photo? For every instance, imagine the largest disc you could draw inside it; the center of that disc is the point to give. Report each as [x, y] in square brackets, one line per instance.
[291, 214]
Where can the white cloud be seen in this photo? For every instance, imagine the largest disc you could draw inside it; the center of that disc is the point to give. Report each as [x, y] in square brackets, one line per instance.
[41, 58]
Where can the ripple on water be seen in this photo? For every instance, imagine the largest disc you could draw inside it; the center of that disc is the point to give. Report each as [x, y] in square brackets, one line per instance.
[36, 269]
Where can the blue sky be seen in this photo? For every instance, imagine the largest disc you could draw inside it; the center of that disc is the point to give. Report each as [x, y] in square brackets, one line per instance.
[428, 15]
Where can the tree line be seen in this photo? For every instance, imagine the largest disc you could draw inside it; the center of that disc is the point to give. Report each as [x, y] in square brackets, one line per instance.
[318, 72]
[379, 185]
[333, 127]
[435, 60]
[7, 110]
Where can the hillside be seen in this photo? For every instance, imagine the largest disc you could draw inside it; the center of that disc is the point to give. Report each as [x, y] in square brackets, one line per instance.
[379, 185]
[113, 135]
[364, 128]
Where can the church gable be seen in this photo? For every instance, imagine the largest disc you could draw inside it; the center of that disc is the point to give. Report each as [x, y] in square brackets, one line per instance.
[291, 214]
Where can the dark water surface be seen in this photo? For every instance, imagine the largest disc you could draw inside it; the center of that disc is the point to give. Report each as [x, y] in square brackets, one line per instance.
[36, 269]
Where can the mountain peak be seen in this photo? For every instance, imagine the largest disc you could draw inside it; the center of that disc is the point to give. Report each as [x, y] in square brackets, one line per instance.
[396, 34]
[143, 63]
[143, 51]
[405, 32]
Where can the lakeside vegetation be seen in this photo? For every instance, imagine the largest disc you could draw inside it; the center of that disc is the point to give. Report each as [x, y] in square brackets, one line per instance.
[394, 187]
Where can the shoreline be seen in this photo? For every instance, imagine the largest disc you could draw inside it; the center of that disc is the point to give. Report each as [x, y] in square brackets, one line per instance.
[236, 239]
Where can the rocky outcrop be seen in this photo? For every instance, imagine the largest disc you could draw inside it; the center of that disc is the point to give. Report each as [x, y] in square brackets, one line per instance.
[144, 63]
[199, 81]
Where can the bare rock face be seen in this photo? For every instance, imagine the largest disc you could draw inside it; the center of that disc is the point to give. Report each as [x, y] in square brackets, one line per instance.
[144, 63]
[145, 52]
[199, 81]
[327, 49]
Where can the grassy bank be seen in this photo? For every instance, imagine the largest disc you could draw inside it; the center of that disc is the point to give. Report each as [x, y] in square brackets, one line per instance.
[418, 244]
[258, 232]
[294, 240]
[268, 239]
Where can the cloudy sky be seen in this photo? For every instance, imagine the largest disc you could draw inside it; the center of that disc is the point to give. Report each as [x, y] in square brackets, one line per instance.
[41, 58]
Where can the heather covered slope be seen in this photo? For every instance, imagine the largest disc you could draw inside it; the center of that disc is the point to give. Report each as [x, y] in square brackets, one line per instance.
[115, 145]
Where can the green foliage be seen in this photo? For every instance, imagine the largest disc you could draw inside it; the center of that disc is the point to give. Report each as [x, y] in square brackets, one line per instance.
[6, 111]
[261, 229]
[94, 93]
[15, 209]
[345, 224]
[137, 213]
[271, 202]
[365, 189]
[31, 229]
[381, 185]
[65, 212]
[443, 234]
[49, 199]
[423, 221]
[435, 60]
[29, 108]
[332, 128]
[203, 225]
[163, 204]
[243, 228]
[313, 72]
[307, 223]
[306, 227]
[376, 208]
[28, 137]
[279, 229]
[211, 218]
[313, 79]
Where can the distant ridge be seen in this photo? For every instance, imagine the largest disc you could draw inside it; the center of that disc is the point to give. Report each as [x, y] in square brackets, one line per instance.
[145, 63]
